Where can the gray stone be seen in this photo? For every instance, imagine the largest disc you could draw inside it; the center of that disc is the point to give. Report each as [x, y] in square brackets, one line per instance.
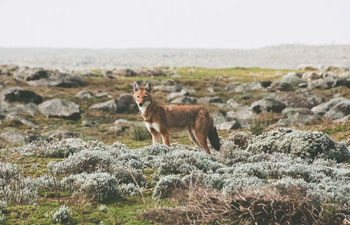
[334, 109]
[232, 103]
[85, 94]
[337, 69]
[306, 67]
[243, 87]
[243, 114]
[22, 119]
[218, 117]
[44, 77]
[22, 109]
[293, 79]
[108, 106]
[7, 70]
[17, 137]
[280, 86]
[184, 100]
[60, 108]
[17, 94]
[175, 95]
[326, 82]
[229, 125]
[215, 99]
[296, 117]
[300, 99]
[268, 104]
[310, 76]
[126, 103]
[168, 88]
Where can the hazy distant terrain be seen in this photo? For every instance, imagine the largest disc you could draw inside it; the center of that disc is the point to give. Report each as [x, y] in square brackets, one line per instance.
[279, 57]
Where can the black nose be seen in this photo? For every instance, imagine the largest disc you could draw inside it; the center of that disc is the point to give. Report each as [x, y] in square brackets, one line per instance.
[140, 104]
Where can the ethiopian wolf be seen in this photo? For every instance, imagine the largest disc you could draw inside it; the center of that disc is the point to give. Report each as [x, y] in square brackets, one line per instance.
[161, 120]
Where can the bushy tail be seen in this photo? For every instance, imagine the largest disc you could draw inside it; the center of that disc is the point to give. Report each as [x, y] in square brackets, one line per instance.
[214, 138]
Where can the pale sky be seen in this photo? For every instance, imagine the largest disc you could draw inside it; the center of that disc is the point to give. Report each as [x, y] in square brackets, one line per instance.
[172, 23]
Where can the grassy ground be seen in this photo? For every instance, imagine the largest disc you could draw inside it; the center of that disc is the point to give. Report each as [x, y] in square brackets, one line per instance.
[127, 210]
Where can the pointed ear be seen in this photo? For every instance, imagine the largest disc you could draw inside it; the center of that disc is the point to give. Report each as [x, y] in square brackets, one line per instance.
[148, 87]
[136, 86]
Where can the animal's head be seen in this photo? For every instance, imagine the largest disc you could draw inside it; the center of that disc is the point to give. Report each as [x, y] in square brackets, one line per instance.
[142, 96]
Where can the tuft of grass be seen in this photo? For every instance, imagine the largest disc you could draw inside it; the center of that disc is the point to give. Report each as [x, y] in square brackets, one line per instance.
[139, 133]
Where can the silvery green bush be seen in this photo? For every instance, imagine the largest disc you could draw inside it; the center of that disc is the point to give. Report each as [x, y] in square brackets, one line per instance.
[8, 170]
[20, 191]
[305, 144]
[61, 215]
[130, 189]
[85, 161]
[166, 185]
[99, 186]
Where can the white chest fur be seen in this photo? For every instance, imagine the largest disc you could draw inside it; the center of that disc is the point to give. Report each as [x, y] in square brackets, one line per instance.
[144, 107]
[152, 125]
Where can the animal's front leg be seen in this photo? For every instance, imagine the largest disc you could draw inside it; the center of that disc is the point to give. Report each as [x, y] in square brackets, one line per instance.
[165, 138]
[154, 136]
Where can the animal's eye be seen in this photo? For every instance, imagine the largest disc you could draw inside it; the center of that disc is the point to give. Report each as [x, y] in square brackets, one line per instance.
[138, 96]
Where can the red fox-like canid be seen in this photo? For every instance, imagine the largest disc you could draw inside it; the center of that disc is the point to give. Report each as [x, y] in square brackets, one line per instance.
[161, 120]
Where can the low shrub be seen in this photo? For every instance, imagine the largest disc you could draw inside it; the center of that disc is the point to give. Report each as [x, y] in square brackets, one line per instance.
[139, 133]
[62, 215]
[99, 186]
[165, 186]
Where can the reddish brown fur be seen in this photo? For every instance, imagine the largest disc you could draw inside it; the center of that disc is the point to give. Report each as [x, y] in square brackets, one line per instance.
[193, 118]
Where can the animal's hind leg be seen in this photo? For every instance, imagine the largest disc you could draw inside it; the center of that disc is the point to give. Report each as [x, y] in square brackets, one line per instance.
[193, 138]
[202, 140]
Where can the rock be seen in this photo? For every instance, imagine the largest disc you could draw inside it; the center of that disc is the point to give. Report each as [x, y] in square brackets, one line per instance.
[126, 103]
[244, 87]
[21, 109]
[168, 88]
[169, 82]
[310, 76]
[151, 72]
[17, 94]
[88, 123]
[280, 86]
[211, 90]
[300, 99]
[184, 100]
[334, 109]
[60, 108]
[293, 78]
[119, 72]
[266, 83]
[243, 114]
[22, 119]
[305, 67]
[17, 137]
[296, 117]
[108, 106]
[7, 70]
[337, 69]
[268, 104]
[232, 103]
[102, 95]
[175, 95]
[215, 99]
[44, 77]
[326, 82]
[84, 94]
[122, 124]
[229, 125]
[218, 117]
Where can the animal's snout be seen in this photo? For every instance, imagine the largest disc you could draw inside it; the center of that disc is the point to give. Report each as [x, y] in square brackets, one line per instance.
[140, 104]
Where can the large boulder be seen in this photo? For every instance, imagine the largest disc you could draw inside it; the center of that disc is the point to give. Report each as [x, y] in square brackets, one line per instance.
[7, 69]
[293, 78]
[108, 106]
[126, 103]
[326, 82]
[17, 137]
[300, 99]
[308, 67]
[60, 108]
[269, 104]
[337, 69]
[296, 117]
[85, 94]
[244, 115]
[334, 109]
[44, 77]
[30, 109]
[280, 86]
[17, 94]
